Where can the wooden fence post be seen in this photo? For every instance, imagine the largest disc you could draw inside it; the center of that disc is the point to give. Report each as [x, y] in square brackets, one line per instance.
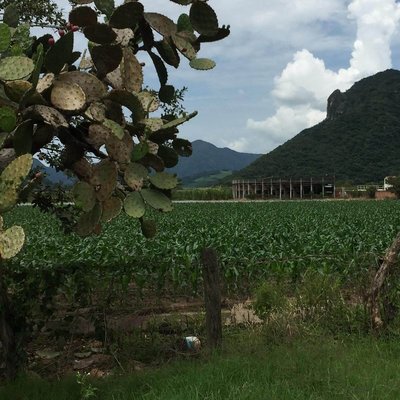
[212, 296]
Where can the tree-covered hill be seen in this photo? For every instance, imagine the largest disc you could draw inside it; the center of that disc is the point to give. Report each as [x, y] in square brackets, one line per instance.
[208, 159]
[359, 140]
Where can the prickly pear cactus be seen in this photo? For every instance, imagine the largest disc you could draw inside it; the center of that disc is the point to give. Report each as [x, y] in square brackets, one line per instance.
[12, 239]
[94, 113]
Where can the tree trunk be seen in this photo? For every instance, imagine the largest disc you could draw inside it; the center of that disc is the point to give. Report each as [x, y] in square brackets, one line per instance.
[7, 333]
[387, 267]
[212, 296]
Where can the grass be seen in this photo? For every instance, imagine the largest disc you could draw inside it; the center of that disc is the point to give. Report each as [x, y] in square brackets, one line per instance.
[318, 367]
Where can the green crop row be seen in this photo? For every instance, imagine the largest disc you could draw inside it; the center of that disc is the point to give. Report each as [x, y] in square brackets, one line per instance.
[254, 240]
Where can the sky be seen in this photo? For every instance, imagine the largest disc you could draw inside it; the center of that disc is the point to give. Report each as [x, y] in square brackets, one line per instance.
[276, 70]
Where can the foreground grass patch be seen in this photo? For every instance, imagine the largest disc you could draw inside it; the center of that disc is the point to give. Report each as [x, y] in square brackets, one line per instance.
[316, 368]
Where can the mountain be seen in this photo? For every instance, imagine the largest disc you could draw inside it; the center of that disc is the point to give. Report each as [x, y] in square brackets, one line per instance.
[205, 167]
[359, 140]
[208, 159]
[53, 177]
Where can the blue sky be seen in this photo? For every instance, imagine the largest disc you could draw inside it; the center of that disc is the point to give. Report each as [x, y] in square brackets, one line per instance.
[279, 65]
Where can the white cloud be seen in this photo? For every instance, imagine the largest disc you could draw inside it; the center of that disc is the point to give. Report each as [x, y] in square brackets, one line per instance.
[302, 88]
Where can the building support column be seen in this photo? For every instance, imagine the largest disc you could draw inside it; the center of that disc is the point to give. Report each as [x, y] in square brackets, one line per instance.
[262, 189]
[301, 188]
[311, 188]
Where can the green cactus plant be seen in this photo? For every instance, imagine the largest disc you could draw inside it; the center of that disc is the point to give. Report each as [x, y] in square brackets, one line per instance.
[111, 208]
[164, 181]
[15, 67]
[5, 37]
[75, 105]
[84, 196]
[157, 200]
[203, 64]
[134, 205]
[15, 90]
[84, 108]
[68, 97]
[8, 119]
[88, 221]
[134, 175]
[11, 242]
[203, 18]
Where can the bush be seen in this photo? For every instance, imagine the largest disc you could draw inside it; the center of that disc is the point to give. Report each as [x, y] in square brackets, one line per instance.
[270, 297]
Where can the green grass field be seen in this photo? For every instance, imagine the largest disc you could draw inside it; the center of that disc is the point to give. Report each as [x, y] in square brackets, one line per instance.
[249, 368]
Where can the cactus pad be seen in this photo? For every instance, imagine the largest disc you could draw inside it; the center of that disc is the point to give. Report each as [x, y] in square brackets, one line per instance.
[202, 64]
[157, 200]
[168, 155]
[127, 15]
[120, 150]
[139, 151]
[23, 137]
[46, 114]
[106, 57]
[8, 119]
[149, 228]
[45, 82]
[134, 205]
[134, 176]
[96, 112]
[184, 47]
[111, 208]
[166, 93]
[168, 52]
[114, 79]
[83, 16]
[203, 18]
[116, 129]
[160, 68]
[14, 68]
[15, 90]
[83, 169]
[124, 36]
[153, 147]
[160, 23]
[153, 124]
[179, 121]
[11, 242]
[104, 178]
[11, 16]
[84, 196]
[100, 33]
[5, 37]
[89, 221]
[184, 23]
[164, 181]
[182, 147]
[15, 172]
[105, 6]
[60, 53]
[149, 101]
[94, 89]
[3, 137]
[8, 197]
[97, 135]
[68, 97]
[131, 71]
[129, 100]
[183, 2]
